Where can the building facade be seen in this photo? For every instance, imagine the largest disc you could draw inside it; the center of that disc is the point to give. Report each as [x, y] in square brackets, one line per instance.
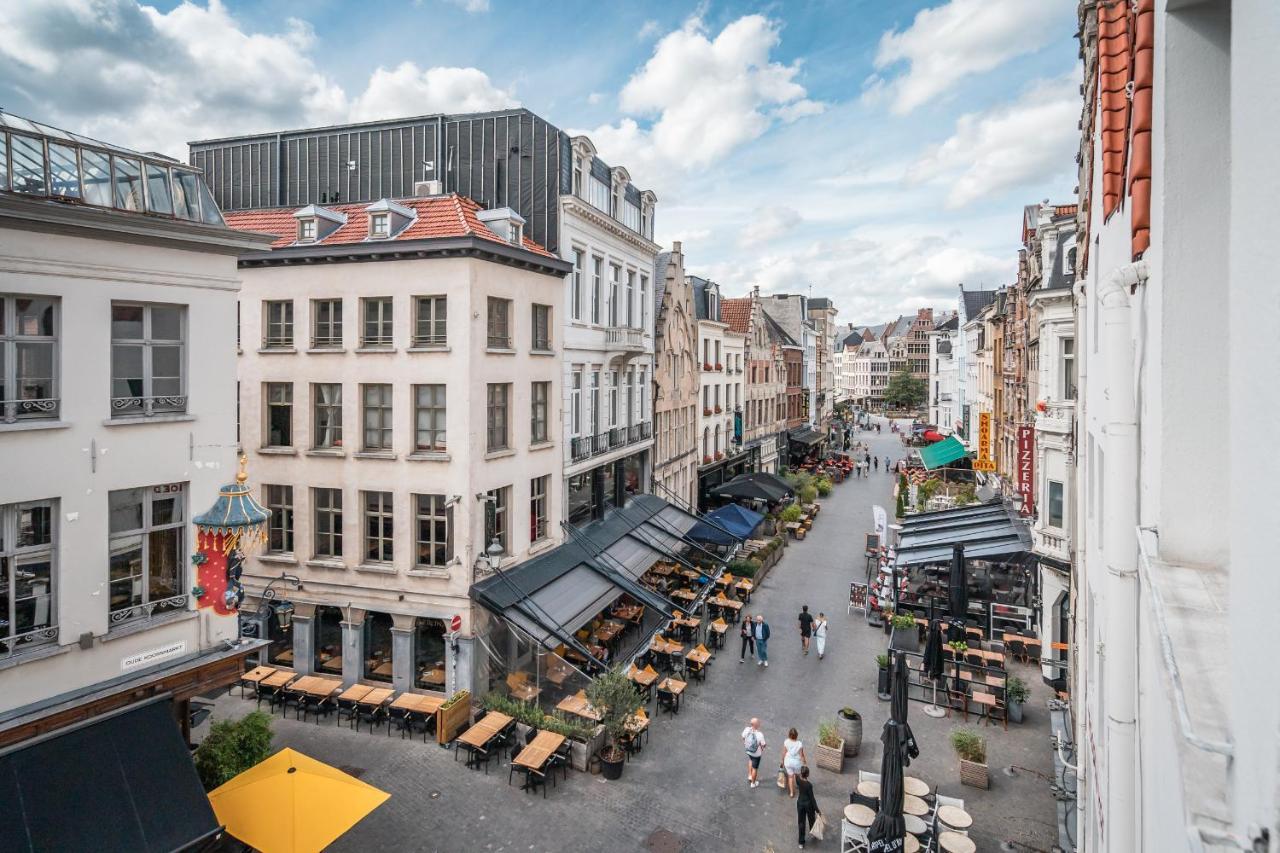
[943, 379]
[399, 379]
[765, 388]
[822, 317]
[117, 424]
[722, 376]
[677, 383]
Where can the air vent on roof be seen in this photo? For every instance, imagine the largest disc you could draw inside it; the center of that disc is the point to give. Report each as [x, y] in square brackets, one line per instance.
[426, 189]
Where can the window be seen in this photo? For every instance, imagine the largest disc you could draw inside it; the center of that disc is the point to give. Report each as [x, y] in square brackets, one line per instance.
[377, 417]
[434, 534]
[379, 527]
[542, 328]
[1055, 504]
[495, 517]
[64, 172]
[613, 398]
[279, 399]
[27, 548]
[1068, 368]
[538, 523]
[499, 323]
[147, 357]
[499, 398]
[28, 357]
[429, 418]
[430, 321]
[615, 293]
[379, 226]
[575, 404]
[377, 322]
[327, 504]
[147, 551]
[595, 402]
[597, 269]
[306, 230]
[538, 425]
[28, 165]
[279, 326]
[631, 298]
[644, 301]
[326, 320]
[95, 171]
[128, 183]
[575, 284]
[280, 526]
[326, 427]
[577, 176]
[159, 199]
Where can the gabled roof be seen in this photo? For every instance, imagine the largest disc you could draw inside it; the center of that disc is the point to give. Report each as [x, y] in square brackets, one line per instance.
[950, 324]
[443, 216]
[777, 333]
[737, 313]
[975, 301]
[660, 263]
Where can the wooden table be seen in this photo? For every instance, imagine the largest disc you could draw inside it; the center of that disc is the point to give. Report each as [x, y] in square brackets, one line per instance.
[665, 646]
[578, 705]
[914, 806]
[558, 675]
[539, 751]
[355, 693]
[675, 687]
[435, 676]
[915, 787]
[256, 674]
[954, 842]
[316, 685]
[698, 655]
[484, 731]
[279, 678]
[859, 815]
[915, 825]
[684, 594]
[606, 632]
[662, 569]
[418, 703]
[869, 789]
[376, 696]
[524, 691]
[629, 613]
[954, 817]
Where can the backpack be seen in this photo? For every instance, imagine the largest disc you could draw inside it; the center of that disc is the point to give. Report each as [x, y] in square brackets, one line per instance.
[753, 742]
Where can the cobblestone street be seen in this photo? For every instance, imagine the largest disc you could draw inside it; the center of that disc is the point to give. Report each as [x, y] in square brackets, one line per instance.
[690, 780]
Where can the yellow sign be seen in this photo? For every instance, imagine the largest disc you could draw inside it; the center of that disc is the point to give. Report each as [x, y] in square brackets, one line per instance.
[984, 461]
[984, 465]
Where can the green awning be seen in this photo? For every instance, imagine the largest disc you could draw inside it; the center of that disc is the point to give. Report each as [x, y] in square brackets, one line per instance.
[943, 452]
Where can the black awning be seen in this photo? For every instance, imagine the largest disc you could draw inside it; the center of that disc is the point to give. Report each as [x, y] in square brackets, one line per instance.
[756, 486]
[806, 436]
[125, 782]
[987, 531]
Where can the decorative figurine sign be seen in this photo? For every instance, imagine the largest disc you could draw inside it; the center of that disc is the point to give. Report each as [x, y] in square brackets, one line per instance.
[234, 524]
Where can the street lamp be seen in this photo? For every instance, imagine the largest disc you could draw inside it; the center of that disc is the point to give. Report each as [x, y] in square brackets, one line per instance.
[493, 554]
[283, 617]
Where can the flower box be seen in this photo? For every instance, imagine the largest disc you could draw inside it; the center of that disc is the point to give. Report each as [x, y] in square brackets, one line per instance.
[719, 410]
[706, 367]
[974, 775]
[719, 366]
[829, 757]
[706, 459]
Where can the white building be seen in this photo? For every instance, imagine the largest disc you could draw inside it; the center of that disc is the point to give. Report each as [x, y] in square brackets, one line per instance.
[970, 304]
[1174, 601]
[944, 375]
[979, 376]
[677, 383]
[722, 377]
[117, 424]
[608, 336]
[398, 381]
[870, 372]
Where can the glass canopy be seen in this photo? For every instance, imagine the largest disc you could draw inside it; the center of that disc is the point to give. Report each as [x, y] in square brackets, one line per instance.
[39, 160]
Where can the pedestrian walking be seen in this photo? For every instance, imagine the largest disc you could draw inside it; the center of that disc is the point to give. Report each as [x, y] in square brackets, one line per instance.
[762, 640]
[747, 633]
[806, 805]
[793, 759]
[806, 627]
[820, 634]
[876, 463]
[887, 469]
[753, 741]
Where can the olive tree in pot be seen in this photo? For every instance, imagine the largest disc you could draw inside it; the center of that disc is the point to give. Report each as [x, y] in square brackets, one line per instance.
[849, 725]
[971, 748]
[1016, 694]
[617, 700]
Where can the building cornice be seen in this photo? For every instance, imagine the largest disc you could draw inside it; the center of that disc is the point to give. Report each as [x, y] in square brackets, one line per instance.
[478, 248]
[584, 210]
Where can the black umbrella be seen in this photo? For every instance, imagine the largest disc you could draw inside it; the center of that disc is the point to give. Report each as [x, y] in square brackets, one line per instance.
[957, 588]
[888, 830]
[933, 663]
[898, 710]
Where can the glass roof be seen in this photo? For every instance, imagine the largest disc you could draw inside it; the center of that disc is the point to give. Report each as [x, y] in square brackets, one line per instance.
[39, 160]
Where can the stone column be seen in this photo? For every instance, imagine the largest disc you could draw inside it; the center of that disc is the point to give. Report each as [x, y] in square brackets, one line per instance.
[402, 674]
[459, 666]
[304, 638]
[353, 647]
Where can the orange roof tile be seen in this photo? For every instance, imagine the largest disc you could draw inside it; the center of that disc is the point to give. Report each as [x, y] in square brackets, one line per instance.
[737, 313]
[438, 216]
[1126, 37]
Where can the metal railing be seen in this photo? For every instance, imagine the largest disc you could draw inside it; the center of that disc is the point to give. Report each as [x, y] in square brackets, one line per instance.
[22, 410]
[17, 643]
[122, 407]
[148, 609]
[586, 446]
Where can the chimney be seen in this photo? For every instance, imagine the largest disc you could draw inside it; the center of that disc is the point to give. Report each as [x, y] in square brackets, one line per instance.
[676, 248]
[427, 189]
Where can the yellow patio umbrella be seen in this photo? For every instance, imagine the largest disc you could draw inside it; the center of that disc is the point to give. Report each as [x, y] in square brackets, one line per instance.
[291, 803]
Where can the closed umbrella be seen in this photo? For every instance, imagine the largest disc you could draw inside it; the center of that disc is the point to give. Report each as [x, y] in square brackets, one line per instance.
[957, 586]
[888, 829]
[933, 664]
[898, 710]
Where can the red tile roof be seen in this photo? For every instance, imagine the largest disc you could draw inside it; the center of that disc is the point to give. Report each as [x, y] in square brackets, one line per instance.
[737, 313]
[1126, 62]
[438, 216]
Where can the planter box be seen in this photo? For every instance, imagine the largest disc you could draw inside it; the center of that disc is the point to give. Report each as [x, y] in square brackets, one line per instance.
[974, 775]
[580, 753]
[905, 639]
[829, 757]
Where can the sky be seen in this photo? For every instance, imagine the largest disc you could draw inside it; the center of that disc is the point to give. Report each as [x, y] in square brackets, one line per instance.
[875, 153]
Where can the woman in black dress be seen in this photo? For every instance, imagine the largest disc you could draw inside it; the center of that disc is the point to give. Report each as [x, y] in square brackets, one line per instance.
[806, 806]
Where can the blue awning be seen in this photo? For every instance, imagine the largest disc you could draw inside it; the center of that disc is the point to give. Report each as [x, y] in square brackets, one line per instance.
[728, 524]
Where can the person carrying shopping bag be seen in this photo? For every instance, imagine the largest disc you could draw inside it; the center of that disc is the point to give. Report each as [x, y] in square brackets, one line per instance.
[807, 815]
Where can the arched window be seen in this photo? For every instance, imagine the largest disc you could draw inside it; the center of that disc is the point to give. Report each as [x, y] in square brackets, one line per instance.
[706, 441]
[717, 444]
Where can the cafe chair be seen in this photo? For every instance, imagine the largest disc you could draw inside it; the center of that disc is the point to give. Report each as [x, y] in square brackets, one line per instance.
[561, 758]
[347, 710]
[853, 839]
[319, 706]
[374, 716]
[402, 720]
[289, 699]
[1018, 649]
[695, 670]
[667, 701]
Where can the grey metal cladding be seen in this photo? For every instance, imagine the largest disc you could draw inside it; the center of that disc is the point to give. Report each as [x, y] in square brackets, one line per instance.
[600, 169]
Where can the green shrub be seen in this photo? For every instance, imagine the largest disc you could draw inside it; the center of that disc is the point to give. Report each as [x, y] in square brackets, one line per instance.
[744, 568]
[791, 513]
[882, 661]
[534, 716]
[903, 621]
[967, 494]
[828, 736]
[969, 745]
[617, 700]
[232, 747]
[808, 494]
[1016, 689]
[824, 486]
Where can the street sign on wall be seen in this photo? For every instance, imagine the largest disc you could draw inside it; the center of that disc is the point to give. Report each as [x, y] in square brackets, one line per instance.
[984, 461]
[1026, 468]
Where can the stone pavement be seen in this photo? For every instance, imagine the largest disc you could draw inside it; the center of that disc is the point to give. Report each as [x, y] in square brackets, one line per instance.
[687, 790]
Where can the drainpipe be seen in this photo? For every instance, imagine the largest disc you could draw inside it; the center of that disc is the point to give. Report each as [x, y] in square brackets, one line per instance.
[1120, 552]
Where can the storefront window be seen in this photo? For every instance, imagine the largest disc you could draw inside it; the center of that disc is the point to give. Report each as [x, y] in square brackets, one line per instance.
[580, 499]
[609, 487]
[428, 653]
[631, 475]
[281, 635]
[328, 638]
[377, 647]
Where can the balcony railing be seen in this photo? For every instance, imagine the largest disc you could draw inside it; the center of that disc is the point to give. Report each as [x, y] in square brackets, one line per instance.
[18, 643]
[123, 407]
[1050, 544]
[621, 337]
[586, 446]
[22, 410]
[145, 611]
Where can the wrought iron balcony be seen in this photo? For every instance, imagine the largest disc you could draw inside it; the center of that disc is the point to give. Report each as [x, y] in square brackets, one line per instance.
[586, 446]
[18, 643]
[123, 407]
[147, 610]
[24, 410]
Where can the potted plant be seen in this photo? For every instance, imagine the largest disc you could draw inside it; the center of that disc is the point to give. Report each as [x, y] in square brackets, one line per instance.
[882, 677]
[971, 748]
[849, 725]
[906, 634]
[829, 753]
[958, 648]
[1015, 694]
[886, 619]
[617, 700]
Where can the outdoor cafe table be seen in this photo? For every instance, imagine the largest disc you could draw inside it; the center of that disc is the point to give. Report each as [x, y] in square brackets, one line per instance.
[914, 805]
[643, 677]
[954, 842]
[608, 631]
[254, 676]
[684, 594]
[664, 646]
[484, 731]
[578, 705]
[859, 815]
[558, 675]
[698, 655]
[418, 703]
[954, 817]
[915, 787]
[675, 687]
[662, 569]
[376, 696]
[279, 678]
[315, 685]
[718, 627]
[539, 751]
[355, 693]
[629, 613]
[869, 789]
[910, 844]
[746, 587]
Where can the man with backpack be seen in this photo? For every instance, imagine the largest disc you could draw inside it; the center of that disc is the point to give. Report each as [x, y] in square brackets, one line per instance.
[753, 741]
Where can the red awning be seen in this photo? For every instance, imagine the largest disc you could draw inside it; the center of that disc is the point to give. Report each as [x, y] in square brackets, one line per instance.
[930, 435]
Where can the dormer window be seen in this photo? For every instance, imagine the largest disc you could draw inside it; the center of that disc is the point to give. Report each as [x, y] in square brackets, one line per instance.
[505, 223]
[316, 223]
[379, 226]
[306, 230]
[517, 233]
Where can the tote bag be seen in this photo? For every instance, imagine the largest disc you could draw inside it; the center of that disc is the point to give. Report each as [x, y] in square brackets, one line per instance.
[819, 827]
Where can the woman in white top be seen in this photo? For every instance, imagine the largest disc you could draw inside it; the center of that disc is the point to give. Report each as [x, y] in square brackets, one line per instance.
[820, 634]
[793, 758]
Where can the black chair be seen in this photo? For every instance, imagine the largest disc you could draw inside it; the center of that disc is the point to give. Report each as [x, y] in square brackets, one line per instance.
[289, 699]
[667, 700]
[1018, 649]
[347, 710]
[316, 705]
[561, 758]
[695, 670]
[374, 715]
[401, 719]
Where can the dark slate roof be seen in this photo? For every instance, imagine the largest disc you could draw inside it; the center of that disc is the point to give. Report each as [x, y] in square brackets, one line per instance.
[819, 302]
[852, 339]
[975, 301]
[1058, 276]
[950, 324]
[778, 333]
[699, 297]
[659, 280]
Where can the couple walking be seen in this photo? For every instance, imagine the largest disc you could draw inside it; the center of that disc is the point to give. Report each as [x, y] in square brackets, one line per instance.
[755, 639]
[815, 629]
[793, 765]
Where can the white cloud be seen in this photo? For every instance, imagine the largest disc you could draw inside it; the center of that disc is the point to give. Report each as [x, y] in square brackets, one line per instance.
[648, 30]
[702, 97]
[410, 90]
[947, 43]
[595, 98]
[135, 76]
[768, 223]
[1030, 140]
[471, 6]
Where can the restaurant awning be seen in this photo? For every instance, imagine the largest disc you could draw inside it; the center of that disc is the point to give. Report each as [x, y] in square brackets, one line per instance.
[122, 782]
[554, 594]
[726, 525]
[756, 486]
[806, 435]
[942, 453]
[987, 531]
